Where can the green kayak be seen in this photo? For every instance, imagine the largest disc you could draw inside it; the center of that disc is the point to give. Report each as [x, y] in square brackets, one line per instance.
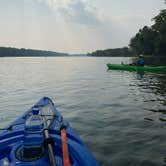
[136, 68]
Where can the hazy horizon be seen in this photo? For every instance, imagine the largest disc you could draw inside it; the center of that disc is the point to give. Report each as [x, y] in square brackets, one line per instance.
[73, 26]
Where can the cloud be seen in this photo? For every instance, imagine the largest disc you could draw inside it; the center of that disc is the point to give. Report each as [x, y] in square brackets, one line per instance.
[75, 11]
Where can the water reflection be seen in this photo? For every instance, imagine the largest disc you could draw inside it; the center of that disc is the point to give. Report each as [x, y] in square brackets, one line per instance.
[140, 74]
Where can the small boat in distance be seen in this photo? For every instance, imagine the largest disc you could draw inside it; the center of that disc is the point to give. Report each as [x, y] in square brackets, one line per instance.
[136, 68]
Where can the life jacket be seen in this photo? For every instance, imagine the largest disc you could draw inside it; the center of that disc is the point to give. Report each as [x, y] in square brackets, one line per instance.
[141, 62]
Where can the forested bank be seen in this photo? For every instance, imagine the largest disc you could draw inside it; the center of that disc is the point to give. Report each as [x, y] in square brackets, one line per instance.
[15, 52]
[116, 52]
[151, 40]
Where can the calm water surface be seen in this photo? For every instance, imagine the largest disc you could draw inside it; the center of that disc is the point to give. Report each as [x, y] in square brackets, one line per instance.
[119, 115]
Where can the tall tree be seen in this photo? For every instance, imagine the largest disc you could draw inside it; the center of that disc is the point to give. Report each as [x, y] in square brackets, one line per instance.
[143, 42]
[160, 28]
[151, 40]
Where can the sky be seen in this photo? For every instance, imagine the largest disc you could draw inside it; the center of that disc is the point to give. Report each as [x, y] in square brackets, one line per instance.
[74, 26]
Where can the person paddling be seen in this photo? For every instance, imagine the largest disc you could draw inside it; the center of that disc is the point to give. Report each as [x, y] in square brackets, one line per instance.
[141, 61]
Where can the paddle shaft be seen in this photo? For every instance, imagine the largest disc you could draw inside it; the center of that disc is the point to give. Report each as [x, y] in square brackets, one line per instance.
[49, 146]
[65, 151]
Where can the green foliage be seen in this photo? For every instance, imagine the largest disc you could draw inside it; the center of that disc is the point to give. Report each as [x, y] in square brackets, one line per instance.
[117, 52]
[14, 52]
[143, 42]
[160, 28]
[151, 40]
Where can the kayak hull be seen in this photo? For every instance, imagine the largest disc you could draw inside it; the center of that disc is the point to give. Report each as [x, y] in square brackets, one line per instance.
[136, 68]
[12, 138]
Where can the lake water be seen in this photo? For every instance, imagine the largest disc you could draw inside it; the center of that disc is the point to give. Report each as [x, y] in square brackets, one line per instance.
[119, 115]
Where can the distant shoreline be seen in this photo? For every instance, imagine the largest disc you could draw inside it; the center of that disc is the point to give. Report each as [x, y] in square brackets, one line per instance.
[16, 52]
[65, 56]
[116, 52]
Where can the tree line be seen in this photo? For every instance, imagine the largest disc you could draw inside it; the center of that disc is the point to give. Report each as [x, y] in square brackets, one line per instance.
[15, 52]
[151, 40]
[116, 52]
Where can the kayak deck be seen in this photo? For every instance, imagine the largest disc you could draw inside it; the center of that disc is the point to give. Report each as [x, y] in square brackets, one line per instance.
[11, 139]
[136, 68]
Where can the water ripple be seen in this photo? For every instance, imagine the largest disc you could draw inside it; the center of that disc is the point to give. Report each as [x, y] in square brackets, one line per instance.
[119, 115]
